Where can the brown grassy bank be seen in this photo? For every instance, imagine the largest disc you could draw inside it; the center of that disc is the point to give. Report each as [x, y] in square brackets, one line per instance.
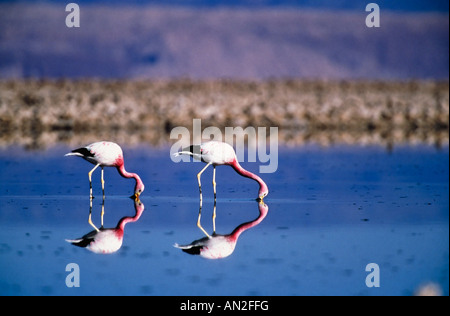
[41, 113]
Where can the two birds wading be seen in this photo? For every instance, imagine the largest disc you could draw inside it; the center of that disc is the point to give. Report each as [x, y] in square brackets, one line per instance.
[108, 154]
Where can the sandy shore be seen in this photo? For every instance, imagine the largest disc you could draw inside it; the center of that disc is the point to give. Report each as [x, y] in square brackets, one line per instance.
[41, 113]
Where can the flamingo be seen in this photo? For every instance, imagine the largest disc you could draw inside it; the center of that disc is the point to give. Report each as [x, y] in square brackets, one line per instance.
[107, 154]
[221, 246]
[217, 153]
[107, 240]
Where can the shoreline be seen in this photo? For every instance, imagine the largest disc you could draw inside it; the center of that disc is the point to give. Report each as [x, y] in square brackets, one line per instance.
[36, 114]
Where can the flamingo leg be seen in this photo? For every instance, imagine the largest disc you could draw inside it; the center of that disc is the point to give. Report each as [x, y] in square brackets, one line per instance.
[214, 218]
[199, 224]
[90, 177]
[103, 208]
[90, 217]
[103, 184]
[214, 184]
[199, 175]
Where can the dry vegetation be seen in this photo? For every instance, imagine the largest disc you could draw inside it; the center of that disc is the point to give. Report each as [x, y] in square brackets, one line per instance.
[39, 114]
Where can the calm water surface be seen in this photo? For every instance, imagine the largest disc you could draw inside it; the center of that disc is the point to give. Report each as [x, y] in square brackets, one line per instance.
[330, 213]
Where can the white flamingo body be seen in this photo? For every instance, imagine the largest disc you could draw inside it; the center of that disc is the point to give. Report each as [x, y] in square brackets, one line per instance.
[222, 246]
[216, 247]
[108, 240]
[104, 241]
[107, 154]
[216, 153]
[219, 153]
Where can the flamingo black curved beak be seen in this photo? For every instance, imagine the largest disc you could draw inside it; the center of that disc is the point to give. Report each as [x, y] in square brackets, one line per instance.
[134, 197]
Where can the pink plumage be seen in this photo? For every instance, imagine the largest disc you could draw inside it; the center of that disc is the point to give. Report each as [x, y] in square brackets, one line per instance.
[107, 154]
[219, 153]
[221, 246]
[108, 240]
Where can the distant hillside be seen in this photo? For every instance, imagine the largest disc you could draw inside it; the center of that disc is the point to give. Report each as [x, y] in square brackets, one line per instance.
[163, 42]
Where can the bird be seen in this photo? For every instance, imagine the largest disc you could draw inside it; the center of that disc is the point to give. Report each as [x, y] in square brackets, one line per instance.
[221, 246]
[107, 154]
[108, 240]
[217, 153]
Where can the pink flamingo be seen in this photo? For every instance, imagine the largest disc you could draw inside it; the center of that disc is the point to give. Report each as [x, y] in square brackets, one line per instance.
[107, 154]
[107, 240]
[221, 246]
[219, 153]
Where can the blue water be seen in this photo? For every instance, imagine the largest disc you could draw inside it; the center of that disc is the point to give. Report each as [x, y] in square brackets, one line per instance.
[332, 211]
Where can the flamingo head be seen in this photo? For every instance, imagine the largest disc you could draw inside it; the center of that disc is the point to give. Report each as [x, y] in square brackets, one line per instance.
[263, 192]
[139, 188]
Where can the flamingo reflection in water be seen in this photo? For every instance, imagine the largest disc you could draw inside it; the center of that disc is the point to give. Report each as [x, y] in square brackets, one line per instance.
[217, 246]
[107, 240]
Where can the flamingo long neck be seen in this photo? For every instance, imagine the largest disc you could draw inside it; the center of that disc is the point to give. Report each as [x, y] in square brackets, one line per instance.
[245, 173]
[126, 174]
[243, 227]
[128, 219]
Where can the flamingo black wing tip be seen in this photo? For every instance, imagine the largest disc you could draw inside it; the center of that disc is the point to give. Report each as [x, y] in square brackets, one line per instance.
[194, 149]
[83, 151]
